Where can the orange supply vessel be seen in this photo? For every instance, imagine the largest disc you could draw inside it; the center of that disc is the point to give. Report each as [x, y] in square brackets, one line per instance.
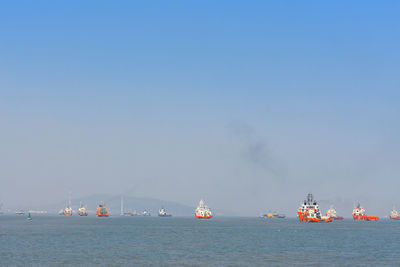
[359, 214]
[309, 211]
[202, 211]
[102, 210]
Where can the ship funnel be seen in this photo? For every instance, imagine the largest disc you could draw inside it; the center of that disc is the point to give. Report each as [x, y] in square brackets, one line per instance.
[310, 198]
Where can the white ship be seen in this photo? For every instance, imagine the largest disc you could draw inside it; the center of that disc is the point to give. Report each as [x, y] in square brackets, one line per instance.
[146, 213]
[202, 211]
[331, 213]
[163, 213]
[82, 211]
[394, 214]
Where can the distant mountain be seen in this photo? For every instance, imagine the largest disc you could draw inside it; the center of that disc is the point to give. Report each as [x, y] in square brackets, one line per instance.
[138, 204]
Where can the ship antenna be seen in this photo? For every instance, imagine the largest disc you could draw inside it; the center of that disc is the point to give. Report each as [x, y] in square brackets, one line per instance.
[69, 199]
[122, 205]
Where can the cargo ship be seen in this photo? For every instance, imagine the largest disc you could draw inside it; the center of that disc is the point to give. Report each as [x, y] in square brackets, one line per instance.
[163, 213]
[82, 211]
[102, 210]
[394, 214]
[359, 214]
[309, 211]
[202, 211]
[331, 213]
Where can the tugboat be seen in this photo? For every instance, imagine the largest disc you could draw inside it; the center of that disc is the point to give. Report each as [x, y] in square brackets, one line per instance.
[271, 215]
[359, 214]
[331, 213]
[146, 213]
[394, 214]
[309, 211]
[82, 211]
[163, 213]
[202, 211]
[68, 209]
[102, 210]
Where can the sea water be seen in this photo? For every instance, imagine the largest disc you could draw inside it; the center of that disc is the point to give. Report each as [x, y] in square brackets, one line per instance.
[221, 241]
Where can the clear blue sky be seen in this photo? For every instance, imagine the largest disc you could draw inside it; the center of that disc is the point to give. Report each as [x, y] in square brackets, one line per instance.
[231, 101]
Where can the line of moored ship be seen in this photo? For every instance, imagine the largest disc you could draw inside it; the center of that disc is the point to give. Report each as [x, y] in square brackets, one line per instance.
[308, 211]
[201, 212]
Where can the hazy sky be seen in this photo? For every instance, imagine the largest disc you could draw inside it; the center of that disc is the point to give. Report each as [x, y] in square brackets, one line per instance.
[248, 104]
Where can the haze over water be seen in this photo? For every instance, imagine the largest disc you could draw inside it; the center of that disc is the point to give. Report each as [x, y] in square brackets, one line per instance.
[248, 105]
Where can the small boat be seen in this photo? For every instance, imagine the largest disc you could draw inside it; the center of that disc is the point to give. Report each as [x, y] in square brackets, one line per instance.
[331, 213]
[102, 210]
[82, 211]
[309, 211]
[273, 215]
[163, 213]
[202, 211]
[394, 214]
[29, 217]
[359, 214]
[146, 213]
[19, 212]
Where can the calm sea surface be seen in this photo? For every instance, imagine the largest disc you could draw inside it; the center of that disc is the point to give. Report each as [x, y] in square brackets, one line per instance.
[154, 241]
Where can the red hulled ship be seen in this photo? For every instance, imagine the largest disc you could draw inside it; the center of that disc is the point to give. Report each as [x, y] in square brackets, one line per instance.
[359, 214]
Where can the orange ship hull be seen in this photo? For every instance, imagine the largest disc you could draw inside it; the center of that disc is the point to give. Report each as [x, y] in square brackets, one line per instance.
[67, 213]
[203, 217]
[304, 218]
[102, 214]
[365, 218]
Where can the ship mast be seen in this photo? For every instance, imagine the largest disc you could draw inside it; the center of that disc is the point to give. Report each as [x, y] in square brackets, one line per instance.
[69, 199]
[122, 205]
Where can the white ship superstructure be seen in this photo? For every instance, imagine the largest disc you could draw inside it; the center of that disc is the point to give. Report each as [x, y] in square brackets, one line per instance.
[202, 211]
[146, 213]
[394, 214]
[331, 212]
[82, 211]
[163, 213]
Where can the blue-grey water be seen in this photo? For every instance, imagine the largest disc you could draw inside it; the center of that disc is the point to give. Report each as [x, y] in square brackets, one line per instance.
[154, 241]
